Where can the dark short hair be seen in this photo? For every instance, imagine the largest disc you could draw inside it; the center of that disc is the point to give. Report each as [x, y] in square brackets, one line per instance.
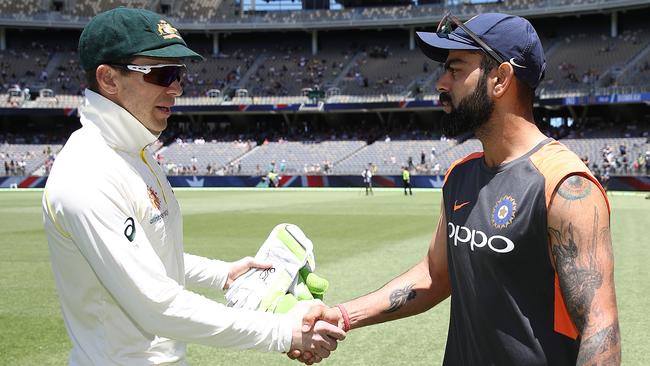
[91, 80]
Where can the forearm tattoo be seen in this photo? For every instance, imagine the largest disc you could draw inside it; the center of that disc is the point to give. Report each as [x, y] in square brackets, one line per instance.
[399, 297]
[605, 345]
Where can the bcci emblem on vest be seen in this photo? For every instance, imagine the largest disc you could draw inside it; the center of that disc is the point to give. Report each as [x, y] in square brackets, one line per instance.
[504, 212]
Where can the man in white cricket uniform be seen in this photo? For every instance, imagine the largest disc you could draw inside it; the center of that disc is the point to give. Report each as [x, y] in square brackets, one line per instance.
[115, 229]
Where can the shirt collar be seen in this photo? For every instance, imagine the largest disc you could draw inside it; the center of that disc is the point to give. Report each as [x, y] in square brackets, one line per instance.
[117, 126]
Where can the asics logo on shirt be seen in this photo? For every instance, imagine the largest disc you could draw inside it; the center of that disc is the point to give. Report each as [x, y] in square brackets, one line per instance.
[478, 239]
[129, 230]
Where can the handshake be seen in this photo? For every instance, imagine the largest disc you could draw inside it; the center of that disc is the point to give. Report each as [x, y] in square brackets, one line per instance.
[290, 286]
[316, 330]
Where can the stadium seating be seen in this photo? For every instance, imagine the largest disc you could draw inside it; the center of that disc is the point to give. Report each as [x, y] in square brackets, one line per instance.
[390, 156]
[605, 153]
[20, 9]
[639, 72]
[199, 10]
[25, 159]
[339, 157]
[216, 72]
[588, 53]
[299, 157]
[386, 66]
[195, 157]
[367, 63]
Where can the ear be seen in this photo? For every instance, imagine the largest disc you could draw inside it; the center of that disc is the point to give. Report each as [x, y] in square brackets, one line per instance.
[106, 79]
[505, 75]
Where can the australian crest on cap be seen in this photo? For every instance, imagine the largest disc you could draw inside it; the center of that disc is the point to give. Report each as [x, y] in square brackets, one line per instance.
[167, 31]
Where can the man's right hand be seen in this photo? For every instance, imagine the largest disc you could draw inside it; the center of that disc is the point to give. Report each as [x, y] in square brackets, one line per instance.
[313, 340]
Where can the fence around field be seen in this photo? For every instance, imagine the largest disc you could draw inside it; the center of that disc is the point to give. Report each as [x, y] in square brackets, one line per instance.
[614, 183]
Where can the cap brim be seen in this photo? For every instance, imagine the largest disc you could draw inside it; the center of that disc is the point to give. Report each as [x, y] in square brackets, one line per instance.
[176, 50]
[437, 48]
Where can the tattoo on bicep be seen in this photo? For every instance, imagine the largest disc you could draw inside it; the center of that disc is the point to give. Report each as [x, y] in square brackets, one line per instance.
[575, 188]
[399, 297]
[604, 347]
[579, 272]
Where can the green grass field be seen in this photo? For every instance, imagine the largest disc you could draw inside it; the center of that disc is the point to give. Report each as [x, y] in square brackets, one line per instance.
[378, 236]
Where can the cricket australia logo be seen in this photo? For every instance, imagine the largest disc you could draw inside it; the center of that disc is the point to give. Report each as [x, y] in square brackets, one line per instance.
[153, 196]
[504, 212]
[155, 202]
[167, 31]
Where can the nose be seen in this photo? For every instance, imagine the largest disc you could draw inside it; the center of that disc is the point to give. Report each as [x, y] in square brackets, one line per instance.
[442, 84]
[175, 88]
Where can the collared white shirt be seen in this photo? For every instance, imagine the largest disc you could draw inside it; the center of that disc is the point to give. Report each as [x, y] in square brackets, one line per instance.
[115, 235]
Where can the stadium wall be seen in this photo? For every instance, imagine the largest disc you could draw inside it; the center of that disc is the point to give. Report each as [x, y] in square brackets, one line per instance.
[615, 183]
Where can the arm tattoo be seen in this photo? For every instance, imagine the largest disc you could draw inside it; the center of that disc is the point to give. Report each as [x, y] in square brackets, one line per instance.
[574, 188]
[581, 252]
[578, 280]
[605, 343]
[399, 297]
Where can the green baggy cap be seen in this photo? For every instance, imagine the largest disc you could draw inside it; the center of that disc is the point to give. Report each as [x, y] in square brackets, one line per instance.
[125, 32]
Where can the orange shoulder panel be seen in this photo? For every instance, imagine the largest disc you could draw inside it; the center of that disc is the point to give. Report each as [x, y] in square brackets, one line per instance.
[472, 156]
[555, 162]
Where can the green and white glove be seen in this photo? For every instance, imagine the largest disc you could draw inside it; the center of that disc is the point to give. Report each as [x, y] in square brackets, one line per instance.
[291, 279]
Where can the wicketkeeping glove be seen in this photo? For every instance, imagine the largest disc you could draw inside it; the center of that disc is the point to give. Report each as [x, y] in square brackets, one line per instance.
[291, 279]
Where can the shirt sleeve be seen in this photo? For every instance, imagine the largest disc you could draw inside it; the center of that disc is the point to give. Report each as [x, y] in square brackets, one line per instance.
[204, 272]
[102, 223]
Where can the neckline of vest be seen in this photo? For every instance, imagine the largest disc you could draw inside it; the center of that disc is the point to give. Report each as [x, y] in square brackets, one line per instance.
[508, 165]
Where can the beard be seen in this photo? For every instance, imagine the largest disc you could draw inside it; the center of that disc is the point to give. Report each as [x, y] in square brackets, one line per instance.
[472, 112]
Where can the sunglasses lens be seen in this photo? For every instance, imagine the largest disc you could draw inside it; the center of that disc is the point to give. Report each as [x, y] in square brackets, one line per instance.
[165, 76]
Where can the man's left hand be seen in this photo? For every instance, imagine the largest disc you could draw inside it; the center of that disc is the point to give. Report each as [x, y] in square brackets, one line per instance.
[242, 266]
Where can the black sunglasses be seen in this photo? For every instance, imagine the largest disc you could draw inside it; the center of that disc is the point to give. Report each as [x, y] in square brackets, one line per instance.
[161, 75]
[450, 22]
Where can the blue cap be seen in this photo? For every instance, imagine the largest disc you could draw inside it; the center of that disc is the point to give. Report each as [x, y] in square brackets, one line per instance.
[512, 37]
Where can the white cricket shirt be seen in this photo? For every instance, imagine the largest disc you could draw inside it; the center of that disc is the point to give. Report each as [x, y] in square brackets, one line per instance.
[115, 235]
